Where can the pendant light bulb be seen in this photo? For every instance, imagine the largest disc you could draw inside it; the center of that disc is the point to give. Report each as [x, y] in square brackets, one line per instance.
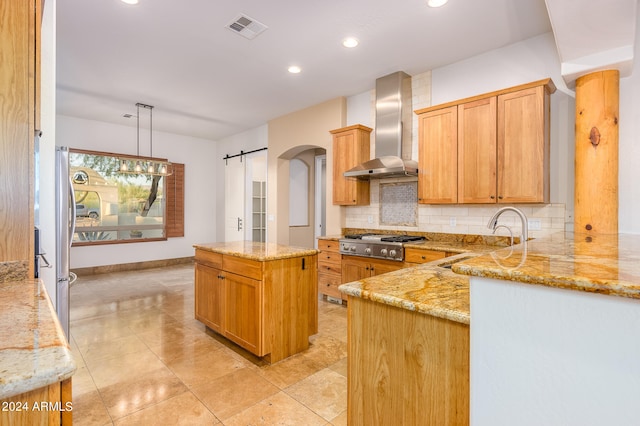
[150, 168]
[138, 167]
[123, 166]
[163, 169]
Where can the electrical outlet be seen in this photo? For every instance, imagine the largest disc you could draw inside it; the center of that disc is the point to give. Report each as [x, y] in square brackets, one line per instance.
[452, 221]
[535, 224]
[370, 219]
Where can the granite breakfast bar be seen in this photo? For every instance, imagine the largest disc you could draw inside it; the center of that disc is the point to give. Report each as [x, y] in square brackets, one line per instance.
[555, 331]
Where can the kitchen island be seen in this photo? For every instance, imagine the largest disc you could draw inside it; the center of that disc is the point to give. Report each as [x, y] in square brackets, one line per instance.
[261, 296]
[555, 331]
[36, 364]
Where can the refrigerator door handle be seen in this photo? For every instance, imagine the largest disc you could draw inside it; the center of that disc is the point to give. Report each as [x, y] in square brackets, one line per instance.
[72, 228]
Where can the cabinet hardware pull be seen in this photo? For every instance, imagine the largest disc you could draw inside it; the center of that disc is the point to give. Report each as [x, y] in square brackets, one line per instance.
[493, 197]
[303, 259]
[423, 257]
[500, 197]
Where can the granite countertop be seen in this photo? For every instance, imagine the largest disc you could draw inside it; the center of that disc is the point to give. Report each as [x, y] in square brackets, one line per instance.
[428, 289]
[605, 264]
[33, 349]
[256, 251]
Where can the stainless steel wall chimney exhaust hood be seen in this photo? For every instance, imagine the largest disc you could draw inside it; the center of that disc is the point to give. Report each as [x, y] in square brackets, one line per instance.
[394, 116]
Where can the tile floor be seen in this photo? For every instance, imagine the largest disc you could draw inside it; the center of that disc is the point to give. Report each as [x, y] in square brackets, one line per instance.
[143, 359]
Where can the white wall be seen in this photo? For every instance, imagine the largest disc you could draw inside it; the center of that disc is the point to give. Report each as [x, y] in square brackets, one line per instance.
[550, 356]
[629, 149]
[201, 167]
[249, 140]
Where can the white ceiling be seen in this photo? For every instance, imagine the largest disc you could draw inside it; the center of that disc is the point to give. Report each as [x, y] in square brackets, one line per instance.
[206, 81]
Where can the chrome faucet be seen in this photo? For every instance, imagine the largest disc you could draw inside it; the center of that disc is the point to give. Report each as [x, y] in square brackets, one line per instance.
[493, 222]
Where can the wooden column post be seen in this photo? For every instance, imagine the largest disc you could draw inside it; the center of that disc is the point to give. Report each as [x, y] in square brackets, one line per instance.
[596, 163]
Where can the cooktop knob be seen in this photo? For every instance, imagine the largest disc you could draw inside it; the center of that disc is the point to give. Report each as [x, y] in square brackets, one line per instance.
[392, 253]
[383, 252]
[352, 248]
[367, 250]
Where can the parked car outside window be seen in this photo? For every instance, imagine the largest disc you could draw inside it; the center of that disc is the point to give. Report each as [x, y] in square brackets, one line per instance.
[83, 211]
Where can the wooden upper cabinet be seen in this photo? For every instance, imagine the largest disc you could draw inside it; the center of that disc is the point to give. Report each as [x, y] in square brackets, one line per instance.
[351, 146]
[477, 151]
[438, 156]
[501, 147]
[523, 146]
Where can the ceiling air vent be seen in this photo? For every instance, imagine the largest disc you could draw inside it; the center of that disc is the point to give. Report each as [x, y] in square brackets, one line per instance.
[247, 27]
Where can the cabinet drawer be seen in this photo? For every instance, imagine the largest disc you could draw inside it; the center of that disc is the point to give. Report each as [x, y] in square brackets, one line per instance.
[209, 258]
[241, 266]
[422, 256]
[329, 268]
[328, 245]
[328, 284]
[329, 257]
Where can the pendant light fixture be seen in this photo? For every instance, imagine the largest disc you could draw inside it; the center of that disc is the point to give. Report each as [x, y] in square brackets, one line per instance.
[149, 166]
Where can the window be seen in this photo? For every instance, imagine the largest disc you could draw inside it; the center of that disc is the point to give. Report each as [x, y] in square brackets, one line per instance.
[115, 207]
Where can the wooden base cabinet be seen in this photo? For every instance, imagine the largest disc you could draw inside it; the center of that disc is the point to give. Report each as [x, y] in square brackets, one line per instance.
[405, 368]
[356, 268]
[329, 268]
[46, 406]
[270, 308]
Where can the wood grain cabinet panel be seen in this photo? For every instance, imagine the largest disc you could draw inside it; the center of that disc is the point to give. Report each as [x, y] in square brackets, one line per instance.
[405, 367]
[438, 156]
[329, 268]
[351, 146]
[412, 255]
[20, 119]
[523, 146]
[209, 296]
[477, 151]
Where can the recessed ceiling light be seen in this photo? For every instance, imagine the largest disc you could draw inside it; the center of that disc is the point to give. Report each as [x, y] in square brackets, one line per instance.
[129, 1]
[294, 69]
[436, 3]
[350, 42]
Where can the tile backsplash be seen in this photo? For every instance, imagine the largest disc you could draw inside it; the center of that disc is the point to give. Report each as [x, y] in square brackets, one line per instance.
[452, 219]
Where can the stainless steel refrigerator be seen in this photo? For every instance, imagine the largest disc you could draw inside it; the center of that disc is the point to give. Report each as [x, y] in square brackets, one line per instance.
[65, 228]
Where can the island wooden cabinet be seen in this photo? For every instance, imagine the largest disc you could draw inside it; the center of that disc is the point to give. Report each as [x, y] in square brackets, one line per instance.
[351, 146]
[501, 144]
[268, 307]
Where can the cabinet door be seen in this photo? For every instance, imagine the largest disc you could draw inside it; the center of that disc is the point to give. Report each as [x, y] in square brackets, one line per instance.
[523, 145]
[355, 268]
[350, 148]
[209, 297]
[477, 151]
[243, 320]
[438, 156]
[379, 267]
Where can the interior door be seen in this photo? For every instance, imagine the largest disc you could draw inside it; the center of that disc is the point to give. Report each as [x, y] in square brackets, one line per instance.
[234, 196]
